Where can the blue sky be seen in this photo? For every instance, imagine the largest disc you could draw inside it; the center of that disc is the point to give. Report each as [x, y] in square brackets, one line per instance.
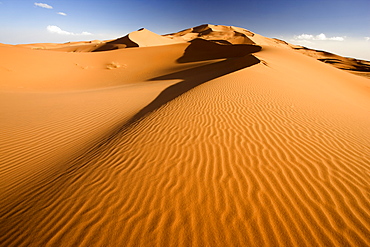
[340, 26]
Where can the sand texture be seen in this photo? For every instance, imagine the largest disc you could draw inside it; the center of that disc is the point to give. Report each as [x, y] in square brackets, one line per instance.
[213, 136]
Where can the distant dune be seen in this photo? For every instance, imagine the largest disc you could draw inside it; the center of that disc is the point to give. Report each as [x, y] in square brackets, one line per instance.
[212, 136]
[215, 33]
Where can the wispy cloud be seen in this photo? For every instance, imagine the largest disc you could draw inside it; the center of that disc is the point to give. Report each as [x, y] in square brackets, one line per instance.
[43, 5]
[58, 30]
[62, 13]
[367, 38]
[320, 36]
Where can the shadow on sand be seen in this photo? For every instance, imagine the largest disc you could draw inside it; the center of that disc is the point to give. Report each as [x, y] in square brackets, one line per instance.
[190, 78]
[202, 50]
[236, 57]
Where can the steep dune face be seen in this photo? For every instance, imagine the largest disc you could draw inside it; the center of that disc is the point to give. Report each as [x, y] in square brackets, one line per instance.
[144, 37]
[229, 34]
[200, 49]
[237, 35]
[140, 38]
[205, 143]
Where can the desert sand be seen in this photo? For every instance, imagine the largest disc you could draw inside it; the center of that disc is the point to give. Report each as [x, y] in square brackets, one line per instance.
[212, 136]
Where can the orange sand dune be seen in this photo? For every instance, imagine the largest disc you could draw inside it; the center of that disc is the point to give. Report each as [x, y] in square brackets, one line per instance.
[205, 143]
[230, 34]
[352, 65]
[140, 38]
[82, 46]
[215, 33]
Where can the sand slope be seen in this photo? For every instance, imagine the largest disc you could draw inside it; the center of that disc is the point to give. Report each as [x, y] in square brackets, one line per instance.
[198, 144]
[230, 34]
[215, 33]
[352, 65]
[237, 35]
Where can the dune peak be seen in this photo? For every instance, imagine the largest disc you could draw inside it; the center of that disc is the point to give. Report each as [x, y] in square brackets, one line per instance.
[230, 34]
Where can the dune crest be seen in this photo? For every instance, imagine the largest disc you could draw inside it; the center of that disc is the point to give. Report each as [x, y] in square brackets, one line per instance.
[215, 33]
[230, 34]
[139, 38]
[212, 136]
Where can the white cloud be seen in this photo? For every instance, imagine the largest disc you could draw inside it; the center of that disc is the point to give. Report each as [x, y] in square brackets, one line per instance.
[58, 30]
[321, 36]
[304, 37]
[62, 13]
[337, 38]
[356, 47]
[43, 5]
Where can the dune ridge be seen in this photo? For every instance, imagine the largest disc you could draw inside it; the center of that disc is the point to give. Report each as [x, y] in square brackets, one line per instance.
[203, 143]
[216, 33]
[139, 38]
[230, 34]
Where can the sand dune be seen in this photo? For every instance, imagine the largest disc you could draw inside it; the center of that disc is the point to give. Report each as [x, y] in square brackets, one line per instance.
[82, 46]
[214, 142]
[230, 34]
[236, 35]
[140, 38]
[352, 65]
[214, 33]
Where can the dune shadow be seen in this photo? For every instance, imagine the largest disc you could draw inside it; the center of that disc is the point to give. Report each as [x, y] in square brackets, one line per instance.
[190, 78]
[236, 58]
[121, 43]
[202, 50]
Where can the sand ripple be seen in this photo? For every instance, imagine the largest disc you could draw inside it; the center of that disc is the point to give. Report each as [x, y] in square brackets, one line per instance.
[253, 157]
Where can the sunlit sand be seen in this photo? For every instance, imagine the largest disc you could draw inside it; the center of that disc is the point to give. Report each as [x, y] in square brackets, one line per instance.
[212, 136]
